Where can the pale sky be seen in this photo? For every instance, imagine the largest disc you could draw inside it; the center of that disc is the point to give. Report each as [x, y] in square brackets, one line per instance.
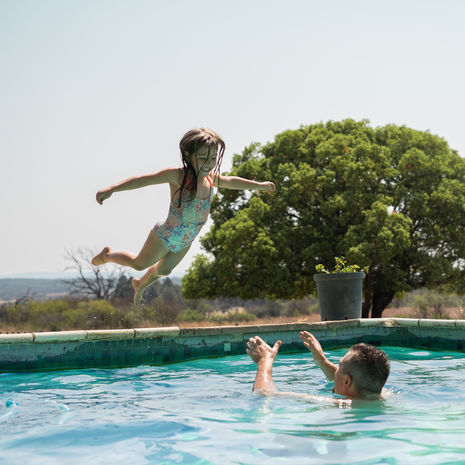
[95, 91]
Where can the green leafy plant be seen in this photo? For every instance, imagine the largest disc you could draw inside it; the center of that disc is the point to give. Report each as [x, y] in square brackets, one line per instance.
[390, 197]
[341, 267]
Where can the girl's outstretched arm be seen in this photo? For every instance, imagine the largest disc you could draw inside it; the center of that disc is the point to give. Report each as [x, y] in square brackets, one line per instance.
[170, 175]
[235, 182]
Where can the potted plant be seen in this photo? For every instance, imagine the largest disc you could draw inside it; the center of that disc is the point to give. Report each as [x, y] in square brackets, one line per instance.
[339, 291]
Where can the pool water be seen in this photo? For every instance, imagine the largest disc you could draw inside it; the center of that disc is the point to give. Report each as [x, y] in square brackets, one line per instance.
[203, 412]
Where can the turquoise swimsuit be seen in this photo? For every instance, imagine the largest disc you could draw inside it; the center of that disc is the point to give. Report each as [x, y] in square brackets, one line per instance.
[184, 223]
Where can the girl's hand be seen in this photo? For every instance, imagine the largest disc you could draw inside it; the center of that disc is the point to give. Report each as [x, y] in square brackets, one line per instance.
[268, 186]
[103, 195]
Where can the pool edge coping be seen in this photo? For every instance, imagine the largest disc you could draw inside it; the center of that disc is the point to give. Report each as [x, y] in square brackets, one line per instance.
[160, 332]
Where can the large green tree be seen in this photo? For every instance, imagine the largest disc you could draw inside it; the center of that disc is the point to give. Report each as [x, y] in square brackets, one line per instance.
[391, 198]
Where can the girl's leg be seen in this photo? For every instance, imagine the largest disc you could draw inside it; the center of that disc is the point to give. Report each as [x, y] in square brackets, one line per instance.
[162, 268]
[152, 251]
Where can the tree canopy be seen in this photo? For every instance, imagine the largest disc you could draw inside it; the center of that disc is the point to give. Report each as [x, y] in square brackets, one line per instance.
[391, 198]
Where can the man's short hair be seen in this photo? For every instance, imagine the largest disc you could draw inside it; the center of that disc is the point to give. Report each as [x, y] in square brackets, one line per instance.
[369, 369]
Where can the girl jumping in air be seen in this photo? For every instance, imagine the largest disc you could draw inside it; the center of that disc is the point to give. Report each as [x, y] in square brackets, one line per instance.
[191, 195]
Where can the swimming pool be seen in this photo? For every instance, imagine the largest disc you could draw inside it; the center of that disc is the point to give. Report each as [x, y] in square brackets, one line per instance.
[203, 412]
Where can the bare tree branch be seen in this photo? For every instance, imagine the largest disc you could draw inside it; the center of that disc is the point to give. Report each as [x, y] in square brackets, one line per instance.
[102, 283]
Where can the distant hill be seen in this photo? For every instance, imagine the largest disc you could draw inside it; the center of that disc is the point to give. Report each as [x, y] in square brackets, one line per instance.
[38, 289]
[12, 289]
[40, 275]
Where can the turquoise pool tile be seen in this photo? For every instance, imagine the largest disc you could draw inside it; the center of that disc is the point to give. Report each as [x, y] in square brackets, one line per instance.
[65, 355]
[5, 366]
[91, 352]
[157, 360]
[331, 332]
[28, 353]
[94, 351]
[104, 345]
[108, 349]
[196, 351]
[79, 349]
[4, 353]
[216, 342]
[164, 350]
[85, 352]
[139, 348]
[127, 350]
[237, 348]
[179, 350]
[14, 349]
[73, 353]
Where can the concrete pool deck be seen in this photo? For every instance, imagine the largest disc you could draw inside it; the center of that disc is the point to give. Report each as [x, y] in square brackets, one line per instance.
[156, 346]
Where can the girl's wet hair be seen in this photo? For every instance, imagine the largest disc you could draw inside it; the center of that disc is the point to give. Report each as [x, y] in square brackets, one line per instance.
[192, 141]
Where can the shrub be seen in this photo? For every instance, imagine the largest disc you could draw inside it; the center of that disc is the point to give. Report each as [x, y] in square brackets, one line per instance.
[190, 316]
[235, 314]
[34, 315]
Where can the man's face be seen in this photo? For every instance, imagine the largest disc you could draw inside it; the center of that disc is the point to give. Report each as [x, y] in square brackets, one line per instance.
[340, 378]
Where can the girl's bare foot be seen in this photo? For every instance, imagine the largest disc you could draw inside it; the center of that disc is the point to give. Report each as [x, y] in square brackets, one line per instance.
[99, 259]
[140, 287]
[138, 290]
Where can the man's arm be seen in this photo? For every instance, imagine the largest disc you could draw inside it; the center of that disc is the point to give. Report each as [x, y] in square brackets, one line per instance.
[263, 355]
[312, 344]
[237, 183]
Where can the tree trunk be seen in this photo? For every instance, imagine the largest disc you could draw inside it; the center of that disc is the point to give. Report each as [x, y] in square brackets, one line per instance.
[368, 300]
[380, 301]
[366, 305]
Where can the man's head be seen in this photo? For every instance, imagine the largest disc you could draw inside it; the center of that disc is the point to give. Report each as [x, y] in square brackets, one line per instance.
[362, 373]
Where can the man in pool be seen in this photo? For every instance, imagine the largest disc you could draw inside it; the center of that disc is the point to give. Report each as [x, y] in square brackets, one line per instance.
[361, 374]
